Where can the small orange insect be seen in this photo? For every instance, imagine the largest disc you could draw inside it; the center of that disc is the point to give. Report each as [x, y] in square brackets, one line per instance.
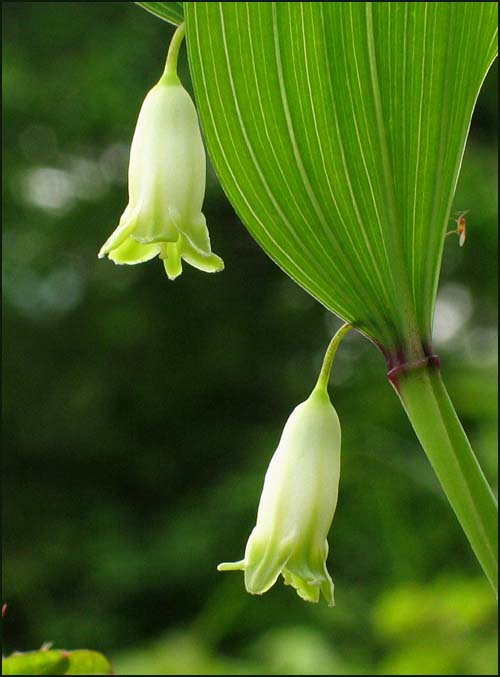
[461, 229]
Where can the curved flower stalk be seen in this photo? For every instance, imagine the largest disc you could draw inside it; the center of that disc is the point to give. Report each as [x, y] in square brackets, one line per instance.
[167, 173]
[298, 500]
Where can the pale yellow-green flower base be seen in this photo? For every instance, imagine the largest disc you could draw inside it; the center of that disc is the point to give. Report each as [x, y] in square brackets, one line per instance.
[130, 252]
[308, 585]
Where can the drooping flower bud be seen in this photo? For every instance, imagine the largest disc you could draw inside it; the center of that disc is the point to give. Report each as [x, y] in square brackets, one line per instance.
[299, 499]
[297, 505]
[167, 173]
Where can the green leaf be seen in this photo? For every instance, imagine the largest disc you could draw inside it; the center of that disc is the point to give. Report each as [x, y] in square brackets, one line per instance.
[337, 131]
[54, 662]
[35, 663]
[173, 12]
[88, 663]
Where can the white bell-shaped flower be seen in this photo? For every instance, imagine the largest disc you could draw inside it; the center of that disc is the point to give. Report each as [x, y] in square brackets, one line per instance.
[297, 505]
[167, 174]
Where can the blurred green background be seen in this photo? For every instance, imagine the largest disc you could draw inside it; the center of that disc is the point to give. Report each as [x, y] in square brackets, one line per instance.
[140, 414]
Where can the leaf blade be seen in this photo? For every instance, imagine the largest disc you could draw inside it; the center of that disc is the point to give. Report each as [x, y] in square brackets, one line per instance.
[35, 663]
[317, 127]
[173, 12]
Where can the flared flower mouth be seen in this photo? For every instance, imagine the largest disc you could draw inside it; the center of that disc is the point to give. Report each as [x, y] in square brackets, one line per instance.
[263, 565]
[126, 249]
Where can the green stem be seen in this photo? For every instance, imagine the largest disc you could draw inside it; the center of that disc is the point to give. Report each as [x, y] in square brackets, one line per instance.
[170, 72]
[440, 432]
[324, 374]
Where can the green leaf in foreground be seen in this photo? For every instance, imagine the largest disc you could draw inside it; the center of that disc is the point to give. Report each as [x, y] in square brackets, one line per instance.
[337, 130]
[35, 663]
[56, 662]
[83, 662]
[173, 12]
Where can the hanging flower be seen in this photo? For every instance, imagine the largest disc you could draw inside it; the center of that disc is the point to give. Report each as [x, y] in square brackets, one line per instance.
[167, 174]
[297, 505]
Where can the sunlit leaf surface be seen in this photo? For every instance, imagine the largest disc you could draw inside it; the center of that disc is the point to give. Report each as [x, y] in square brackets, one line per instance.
[337, 131]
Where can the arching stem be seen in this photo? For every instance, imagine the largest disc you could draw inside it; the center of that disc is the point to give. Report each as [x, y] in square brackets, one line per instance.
[324, 375]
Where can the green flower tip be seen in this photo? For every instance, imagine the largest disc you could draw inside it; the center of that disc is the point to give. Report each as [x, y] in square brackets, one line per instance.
[167, 174]
[297, 506]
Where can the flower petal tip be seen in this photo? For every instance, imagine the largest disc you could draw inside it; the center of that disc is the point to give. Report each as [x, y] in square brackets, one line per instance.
[231, 566]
